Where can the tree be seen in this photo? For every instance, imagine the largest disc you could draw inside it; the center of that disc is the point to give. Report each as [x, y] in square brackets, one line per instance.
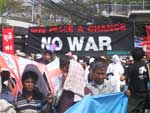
[9, 6]
[81, 11]
[113, 1]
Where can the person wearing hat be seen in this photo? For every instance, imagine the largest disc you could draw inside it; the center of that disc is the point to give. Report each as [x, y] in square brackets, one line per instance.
[39, 58]
[31, 100]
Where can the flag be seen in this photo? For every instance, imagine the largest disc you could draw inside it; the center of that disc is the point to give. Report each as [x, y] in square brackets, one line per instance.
[105, 103]
[17, 65]
[8, 40]
[148, 32]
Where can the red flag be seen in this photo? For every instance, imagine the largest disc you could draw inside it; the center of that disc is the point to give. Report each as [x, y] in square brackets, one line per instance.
[148, 32]
[8, 40]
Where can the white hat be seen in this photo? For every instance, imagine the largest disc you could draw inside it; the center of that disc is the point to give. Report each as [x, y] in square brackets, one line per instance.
[19, 53]
[91, 60]
[103, 57]
[131, 58]
[38, 56]
[123, 60]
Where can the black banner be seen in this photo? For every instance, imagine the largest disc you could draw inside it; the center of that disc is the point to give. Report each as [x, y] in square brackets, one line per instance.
[92, 40]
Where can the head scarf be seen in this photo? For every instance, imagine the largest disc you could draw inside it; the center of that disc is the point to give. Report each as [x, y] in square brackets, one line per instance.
[75, 80]
[115, 59]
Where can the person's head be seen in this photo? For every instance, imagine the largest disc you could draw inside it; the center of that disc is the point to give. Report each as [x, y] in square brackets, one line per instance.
[29, 79]
[99, 72]
[48, 56]
[115, 59]
[137, 53]
[64, 62]
[123, 62]
[145, 59]
[131, 60]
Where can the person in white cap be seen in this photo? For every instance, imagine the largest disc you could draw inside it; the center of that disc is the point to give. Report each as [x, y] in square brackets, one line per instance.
[114, 71]
[39, 58]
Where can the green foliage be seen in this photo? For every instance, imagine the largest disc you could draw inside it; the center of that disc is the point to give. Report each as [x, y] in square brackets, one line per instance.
[113, 1]
[3, 6]
[126, 1]
[7, 6]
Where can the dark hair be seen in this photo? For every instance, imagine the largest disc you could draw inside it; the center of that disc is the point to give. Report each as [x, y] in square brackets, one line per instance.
[29, 74]
[138, 53]
[99, 65]
[5, 75]
[63, 60]
[91, 65]
[48, 52]
[52, 54]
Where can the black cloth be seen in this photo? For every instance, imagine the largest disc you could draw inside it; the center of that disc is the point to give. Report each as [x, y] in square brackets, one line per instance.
[136, 104]
[137, 75]
[126, 68]
[66, 101]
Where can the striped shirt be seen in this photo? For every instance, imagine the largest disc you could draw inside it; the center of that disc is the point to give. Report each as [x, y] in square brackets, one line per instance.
[36, 105]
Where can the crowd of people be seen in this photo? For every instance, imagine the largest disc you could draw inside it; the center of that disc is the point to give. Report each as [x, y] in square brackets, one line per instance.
[80, 78]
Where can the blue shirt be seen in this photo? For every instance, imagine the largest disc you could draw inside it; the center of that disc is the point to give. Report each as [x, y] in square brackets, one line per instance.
[7, 95]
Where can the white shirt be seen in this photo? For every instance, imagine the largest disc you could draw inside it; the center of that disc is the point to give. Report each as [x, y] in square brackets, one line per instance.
[97, 89]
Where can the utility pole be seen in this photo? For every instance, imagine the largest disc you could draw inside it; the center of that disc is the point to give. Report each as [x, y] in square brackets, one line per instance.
[109, 6]
[143, 4]
[32, 12]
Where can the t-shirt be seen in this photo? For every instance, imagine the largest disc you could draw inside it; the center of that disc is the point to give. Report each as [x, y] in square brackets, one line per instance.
[138, 76]
[36, 105]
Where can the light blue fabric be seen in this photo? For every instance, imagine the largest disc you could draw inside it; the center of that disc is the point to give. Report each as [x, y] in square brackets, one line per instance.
[148, 85]
[107, 103]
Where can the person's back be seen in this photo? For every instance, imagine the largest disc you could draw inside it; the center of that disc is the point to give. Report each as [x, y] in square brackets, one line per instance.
[137, 76]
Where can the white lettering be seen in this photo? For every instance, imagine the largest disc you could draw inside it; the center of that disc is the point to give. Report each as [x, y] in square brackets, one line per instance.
[8, 47]
[104, 41]
[91, 44]
[60, 44]
[45, 43]
[76, 43]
